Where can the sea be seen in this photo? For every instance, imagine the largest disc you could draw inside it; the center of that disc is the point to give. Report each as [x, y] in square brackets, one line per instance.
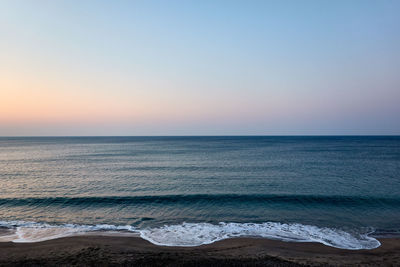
[342, 191]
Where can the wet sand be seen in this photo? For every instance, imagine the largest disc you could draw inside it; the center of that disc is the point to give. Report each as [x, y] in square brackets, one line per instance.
[134, 251]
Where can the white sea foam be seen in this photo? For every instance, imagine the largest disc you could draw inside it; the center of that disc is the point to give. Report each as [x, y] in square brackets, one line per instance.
[29, 232]
[195, 234]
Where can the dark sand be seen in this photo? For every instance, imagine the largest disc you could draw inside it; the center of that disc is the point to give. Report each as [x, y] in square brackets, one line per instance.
[134, 251]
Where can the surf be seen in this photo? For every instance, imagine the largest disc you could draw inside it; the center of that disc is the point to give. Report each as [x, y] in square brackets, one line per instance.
[194, 234]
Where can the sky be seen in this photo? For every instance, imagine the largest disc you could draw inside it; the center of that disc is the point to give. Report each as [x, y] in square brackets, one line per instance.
[209, 67]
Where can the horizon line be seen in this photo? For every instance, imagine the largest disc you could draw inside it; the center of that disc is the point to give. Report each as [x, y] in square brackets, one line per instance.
[247, 135]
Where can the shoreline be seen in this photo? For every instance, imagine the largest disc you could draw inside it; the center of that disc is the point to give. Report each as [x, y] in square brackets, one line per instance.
[107, 250]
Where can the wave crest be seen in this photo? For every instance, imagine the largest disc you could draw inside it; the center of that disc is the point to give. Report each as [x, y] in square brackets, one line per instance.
[333, 200]
[195, 234]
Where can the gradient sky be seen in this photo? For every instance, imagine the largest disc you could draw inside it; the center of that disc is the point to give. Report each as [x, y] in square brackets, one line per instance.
[199, 67]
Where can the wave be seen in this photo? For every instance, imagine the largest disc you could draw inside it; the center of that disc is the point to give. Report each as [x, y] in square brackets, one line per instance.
[195, 234]
[30, 232]
[204, 198]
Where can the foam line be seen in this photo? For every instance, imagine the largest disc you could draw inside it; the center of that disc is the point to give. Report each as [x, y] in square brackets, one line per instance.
[195, 234]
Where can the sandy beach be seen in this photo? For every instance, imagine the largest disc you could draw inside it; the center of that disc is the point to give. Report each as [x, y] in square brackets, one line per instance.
[134, 251]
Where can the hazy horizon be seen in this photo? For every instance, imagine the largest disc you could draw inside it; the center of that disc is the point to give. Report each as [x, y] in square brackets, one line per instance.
[187, 68]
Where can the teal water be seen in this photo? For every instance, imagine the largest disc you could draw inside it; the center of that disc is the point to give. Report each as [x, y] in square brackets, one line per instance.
[341, 191]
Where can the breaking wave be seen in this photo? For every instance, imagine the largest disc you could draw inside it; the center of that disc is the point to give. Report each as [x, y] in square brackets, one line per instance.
[194, 234]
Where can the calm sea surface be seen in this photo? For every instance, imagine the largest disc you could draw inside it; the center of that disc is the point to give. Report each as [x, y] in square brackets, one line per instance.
[340, 191]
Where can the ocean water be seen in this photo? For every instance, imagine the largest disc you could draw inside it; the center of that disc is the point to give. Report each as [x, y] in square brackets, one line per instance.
[185, 191]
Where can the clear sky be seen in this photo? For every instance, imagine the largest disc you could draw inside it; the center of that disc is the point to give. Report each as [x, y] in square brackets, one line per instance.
[199, 67]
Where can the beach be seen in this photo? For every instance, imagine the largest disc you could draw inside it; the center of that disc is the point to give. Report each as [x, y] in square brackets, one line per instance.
[97, 250]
